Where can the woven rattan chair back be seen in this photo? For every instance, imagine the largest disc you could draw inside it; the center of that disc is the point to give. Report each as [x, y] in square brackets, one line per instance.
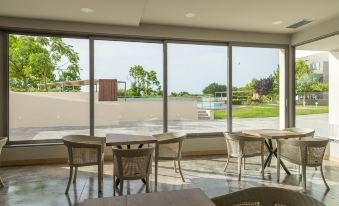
[84, 150]
[305, 152]
[241, 146]
[170, 147]
[130, 164]
[3, 141]
[266, 196]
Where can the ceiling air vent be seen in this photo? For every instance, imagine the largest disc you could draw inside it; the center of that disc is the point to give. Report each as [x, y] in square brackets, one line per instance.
[299, 24]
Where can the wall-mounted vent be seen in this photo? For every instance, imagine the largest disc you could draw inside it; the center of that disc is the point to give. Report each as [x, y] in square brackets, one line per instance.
[299, 24]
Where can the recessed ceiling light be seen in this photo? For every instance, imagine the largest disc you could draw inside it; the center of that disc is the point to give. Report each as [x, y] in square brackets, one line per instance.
[87, 10]
[190, 15]
[277, 22]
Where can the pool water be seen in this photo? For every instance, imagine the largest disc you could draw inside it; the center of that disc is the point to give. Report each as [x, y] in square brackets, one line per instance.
[211, 105]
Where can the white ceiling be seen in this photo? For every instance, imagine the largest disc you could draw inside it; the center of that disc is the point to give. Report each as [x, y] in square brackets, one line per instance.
[243, 15]
[327, 44]
[116, 12]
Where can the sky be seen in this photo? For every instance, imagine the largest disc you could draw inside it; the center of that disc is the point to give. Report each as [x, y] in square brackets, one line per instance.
[190, 67]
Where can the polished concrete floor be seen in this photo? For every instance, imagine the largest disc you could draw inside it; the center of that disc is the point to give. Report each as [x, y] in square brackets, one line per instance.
[45, 184]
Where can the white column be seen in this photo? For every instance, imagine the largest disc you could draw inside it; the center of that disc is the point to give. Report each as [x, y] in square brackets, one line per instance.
[333, 102]
[282, 89]
[334, 93]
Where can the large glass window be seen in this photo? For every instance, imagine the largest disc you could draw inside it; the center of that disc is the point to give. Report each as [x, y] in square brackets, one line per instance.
[197, 76]
[312, 91]
[128, 87]
[49, 87]
[256, 77]
[48, 81]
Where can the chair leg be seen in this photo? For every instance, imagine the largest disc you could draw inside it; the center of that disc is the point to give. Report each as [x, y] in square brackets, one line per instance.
[114, 185]
[1, 183]
[262, 166]
[175, 166]
[299, 170]
[239, 167]
[322, 175]
[75, 175]
[100, 178]
[69, 179]
[156, 165]
[147, 184]
[228, 160]
[244, 162]
[303, 167]
[278, 167]
[121, 192]
[182, 176]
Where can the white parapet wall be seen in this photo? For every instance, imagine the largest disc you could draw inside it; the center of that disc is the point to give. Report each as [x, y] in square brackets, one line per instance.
[54, 109]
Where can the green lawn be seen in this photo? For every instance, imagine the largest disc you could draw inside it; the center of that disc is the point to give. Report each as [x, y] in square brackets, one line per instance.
[257, 111]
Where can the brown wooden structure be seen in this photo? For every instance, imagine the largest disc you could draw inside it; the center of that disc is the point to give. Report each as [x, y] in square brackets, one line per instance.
[108, 90]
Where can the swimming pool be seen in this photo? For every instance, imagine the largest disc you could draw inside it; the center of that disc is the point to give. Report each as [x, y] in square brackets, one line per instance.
[211, 105]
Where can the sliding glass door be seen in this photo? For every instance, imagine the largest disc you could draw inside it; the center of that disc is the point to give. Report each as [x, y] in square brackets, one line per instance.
[257, 82]
[48, 87]
[128, 87]
[197, 76]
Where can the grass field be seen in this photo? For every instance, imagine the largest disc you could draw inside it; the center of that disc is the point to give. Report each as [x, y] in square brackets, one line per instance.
[259, 111]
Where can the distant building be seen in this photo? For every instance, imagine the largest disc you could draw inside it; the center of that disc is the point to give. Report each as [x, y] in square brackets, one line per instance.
[319, 64]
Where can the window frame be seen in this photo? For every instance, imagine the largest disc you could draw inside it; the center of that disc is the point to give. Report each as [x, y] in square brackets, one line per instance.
[4, 64]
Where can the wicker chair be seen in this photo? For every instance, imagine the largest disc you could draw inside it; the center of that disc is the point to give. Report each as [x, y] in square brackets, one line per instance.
[242, 146]
[265, 196]
[85, 150]
[304, 133]
[2, 144]
[131, 164]
[169, 148]
[305, 152]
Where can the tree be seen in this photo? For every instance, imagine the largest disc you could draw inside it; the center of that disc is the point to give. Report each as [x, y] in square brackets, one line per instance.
[250, 86]
[36, 60]
[214, 87]
[305, 84]
[301, 68]
[143, 83]
[276, 81]
[263, 86]
[181, 94]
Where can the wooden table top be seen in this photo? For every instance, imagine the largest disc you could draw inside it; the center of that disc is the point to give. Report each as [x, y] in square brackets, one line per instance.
[113, 139]
[272, 133]
[187, 197]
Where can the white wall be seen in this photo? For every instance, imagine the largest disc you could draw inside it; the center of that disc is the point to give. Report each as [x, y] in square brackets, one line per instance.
[191, 146]
[53, 109]
[334, 102]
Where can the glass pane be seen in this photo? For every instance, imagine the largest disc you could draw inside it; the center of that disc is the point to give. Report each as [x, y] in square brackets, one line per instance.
[255, 88]
[197, 76]
[49, 92]
[312, 91]
[128, 93]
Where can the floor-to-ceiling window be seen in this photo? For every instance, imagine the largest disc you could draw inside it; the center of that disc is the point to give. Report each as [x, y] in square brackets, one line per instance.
[312, 90]
[49, 83]
[48, 96]
[197, 77]
[128, 87]
[256, 88]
